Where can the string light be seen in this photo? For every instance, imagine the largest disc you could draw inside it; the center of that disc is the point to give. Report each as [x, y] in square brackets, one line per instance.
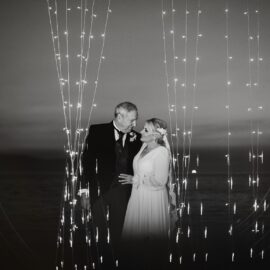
[173, 82]
[73, 131]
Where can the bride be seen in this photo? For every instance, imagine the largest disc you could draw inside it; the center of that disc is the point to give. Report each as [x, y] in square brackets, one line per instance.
[147, 220]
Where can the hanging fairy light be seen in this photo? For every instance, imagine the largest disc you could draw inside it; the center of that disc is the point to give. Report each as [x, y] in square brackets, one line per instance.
[173, 82]
[59, 17]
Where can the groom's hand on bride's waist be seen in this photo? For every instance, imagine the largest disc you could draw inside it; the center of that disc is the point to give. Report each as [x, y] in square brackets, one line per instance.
[125, 179]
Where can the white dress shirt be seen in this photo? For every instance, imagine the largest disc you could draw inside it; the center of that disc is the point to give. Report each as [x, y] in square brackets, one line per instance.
[116, 134]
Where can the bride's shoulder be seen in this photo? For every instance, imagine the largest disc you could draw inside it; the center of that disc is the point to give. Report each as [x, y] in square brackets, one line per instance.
[162, 150]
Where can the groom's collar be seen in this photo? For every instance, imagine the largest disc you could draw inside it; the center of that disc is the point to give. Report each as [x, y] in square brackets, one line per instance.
[116, 126]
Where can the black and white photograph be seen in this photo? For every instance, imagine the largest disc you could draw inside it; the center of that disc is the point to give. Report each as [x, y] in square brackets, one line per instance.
[135, 134]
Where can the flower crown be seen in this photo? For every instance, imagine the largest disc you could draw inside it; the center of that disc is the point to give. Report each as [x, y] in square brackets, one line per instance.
[162, 131]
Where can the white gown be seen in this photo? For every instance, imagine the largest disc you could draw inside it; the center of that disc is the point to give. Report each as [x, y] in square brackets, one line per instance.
[147, 214]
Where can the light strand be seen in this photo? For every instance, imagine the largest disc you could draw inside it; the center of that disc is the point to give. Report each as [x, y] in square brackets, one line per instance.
[167, 77]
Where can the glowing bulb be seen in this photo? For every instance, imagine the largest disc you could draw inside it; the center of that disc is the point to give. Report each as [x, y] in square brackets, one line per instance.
[231, 230]
[188, 232]
[234, 208]
[251, 253]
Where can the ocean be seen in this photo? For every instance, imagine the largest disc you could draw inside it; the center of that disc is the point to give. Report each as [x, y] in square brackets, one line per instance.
[31, 187]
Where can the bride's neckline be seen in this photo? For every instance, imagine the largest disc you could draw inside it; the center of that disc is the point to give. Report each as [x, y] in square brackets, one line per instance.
[146, 151]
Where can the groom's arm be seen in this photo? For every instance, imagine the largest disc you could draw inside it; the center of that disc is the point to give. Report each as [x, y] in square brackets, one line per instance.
[89, 157]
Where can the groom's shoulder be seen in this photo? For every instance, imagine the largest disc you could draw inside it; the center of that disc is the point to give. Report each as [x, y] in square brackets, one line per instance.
[97, 128]
[137, 137]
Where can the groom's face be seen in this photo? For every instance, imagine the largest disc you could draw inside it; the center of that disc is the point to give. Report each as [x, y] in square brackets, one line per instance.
[127, 120]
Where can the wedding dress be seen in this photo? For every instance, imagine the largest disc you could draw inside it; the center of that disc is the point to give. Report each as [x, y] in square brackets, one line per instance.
[147, 216]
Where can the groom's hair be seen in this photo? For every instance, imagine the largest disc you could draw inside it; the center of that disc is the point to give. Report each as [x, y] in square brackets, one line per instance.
[128, 106]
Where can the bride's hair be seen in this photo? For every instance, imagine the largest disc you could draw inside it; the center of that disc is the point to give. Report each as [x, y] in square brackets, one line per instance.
[158, 124]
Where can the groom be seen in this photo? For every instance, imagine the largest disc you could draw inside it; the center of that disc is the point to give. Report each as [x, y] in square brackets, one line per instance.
[109, 150]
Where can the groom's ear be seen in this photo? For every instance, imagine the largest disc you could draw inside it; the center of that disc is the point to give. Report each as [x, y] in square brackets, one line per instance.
[118, 117]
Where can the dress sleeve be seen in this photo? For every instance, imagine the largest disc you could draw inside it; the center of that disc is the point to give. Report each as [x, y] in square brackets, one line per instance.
[160, 168]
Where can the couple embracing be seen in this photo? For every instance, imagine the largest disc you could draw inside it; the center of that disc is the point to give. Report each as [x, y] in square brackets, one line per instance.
[127, 174]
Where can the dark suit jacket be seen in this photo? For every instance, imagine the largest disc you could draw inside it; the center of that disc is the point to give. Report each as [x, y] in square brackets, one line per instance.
[99, 150]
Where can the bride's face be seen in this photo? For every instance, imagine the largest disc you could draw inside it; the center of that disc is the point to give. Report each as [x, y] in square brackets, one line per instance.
[147, 133]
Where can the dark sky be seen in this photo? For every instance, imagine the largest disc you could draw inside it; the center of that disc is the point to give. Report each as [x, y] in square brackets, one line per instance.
[31, 111]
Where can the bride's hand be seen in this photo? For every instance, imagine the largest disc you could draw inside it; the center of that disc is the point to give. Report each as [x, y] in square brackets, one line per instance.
[125, 179]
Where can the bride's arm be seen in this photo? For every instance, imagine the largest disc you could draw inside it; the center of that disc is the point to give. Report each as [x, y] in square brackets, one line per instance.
[160, 168]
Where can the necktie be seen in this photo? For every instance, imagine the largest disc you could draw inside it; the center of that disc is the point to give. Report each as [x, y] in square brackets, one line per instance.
[121, 135]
